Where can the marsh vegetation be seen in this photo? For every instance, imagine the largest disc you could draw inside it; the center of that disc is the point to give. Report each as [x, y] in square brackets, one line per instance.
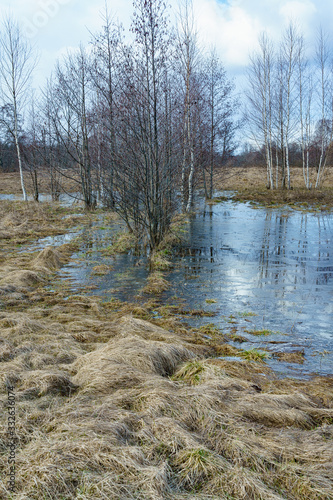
[165, 318]
[124, 399]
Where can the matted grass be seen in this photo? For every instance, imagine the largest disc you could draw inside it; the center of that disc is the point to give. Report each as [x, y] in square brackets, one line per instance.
[112, 406]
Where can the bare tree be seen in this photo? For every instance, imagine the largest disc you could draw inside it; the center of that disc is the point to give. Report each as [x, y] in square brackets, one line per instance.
[220, 109]
[189, 58]
[305, 109]
[105, 75]
[51, 142]
[275, 102]
[260, 96]
[288, 55]
[31, 149]
[16, 67]
[323, 57]
[143, 180]
[70, 119]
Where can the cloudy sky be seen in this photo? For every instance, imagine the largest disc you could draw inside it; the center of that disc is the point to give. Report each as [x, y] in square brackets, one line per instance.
[232, 26]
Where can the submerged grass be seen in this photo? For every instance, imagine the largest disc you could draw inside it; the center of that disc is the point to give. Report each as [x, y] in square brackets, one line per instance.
[263, 332]
[110, 405]
[156, 284]
[159, 262]
[211, 301]
[254, 355]
[123, 243]
[246, 314]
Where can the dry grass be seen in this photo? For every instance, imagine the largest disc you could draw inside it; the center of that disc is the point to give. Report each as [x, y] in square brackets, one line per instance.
[101, 270]
[111, 406]
[159, 262]
[22, 278]
[250, 184]
[156, 284]
[141, 416]
[10, 183]
[176, 234]
[255, 176]
[24, 222]
[122, 243]
[290, 357]
[48, 260]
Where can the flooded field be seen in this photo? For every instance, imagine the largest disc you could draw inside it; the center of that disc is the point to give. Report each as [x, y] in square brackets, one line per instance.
[267, 270]
[135, 386]
[264, 273]
[64, 199]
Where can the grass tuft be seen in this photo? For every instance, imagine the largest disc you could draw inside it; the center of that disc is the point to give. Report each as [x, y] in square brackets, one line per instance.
[191, 372]
[254, 355]
[156, 284]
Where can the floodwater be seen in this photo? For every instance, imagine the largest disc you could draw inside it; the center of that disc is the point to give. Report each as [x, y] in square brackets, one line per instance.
[127, 272]
[64, 199]
[253, 268]
[259, 269]
[275, 263]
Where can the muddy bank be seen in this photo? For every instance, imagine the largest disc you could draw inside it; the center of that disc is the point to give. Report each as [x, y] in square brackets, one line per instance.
[112, 403]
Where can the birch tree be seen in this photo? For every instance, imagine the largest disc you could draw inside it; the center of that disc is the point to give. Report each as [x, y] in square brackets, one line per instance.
[259, 96]
[32, 150]
[17, 62]
[189, 57]
[70, 118]
[323, 58]
[220, 108]
[51, 142]
[305, 109]
[288, 82]
[143, 182]
[105, 75]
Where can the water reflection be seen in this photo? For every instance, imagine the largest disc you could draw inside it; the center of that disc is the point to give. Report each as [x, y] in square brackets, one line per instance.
[126, 275]
[276, 263]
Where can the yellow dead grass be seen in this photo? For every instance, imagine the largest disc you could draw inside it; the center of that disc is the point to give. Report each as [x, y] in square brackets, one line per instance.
[125, 361]
[121, 428]
[156, 284]
[109, 406]
[49, 259]
[254, 177]
[21, 279]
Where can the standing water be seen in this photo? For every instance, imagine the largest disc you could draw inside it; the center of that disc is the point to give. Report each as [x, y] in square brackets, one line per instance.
[268, 270]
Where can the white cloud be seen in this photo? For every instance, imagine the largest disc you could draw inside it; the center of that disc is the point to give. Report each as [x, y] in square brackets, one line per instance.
[303, 11]
[232, 26]
[229, 27]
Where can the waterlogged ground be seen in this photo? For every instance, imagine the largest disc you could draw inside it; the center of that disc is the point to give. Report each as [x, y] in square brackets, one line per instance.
[64, 199]
[121, 276]
[274, 263]
[111, 405]
[263, 270]
[265, 273]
